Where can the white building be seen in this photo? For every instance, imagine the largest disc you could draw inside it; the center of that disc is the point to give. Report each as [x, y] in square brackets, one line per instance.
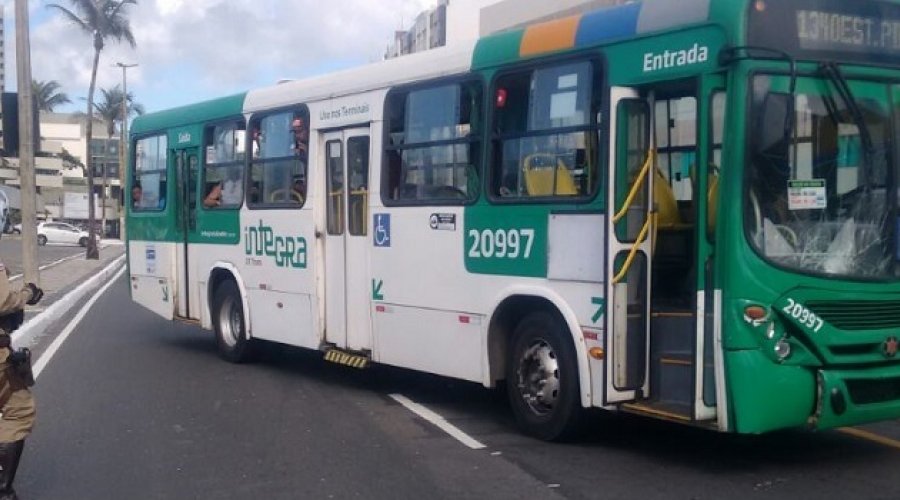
[457, 21]
[2, 53]
[507, 14]
[54, 178]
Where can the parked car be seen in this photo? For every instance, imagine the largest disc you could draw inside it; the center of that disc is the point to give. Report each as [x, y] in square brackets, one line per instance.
[60, 232]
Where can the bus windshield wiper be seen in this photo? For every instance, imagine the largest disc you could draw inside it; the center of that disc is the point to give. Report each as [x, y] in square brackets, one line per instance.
[733, 54]
[833, 72]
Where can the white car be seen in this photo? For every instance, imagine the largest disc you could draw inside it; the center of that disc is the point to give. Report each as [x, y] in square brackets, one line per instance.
[60, 232]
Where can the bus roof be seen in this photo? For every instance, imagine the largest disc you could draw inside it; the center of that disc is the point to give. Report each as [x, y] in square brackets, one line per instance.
[590, 29]
[644, 17]
[214, 109]
[443, 61]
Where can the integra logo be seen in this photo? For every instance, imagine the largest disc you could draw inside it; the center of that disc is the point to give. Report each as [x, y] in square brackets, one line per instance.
[287, 251]
[675, 58]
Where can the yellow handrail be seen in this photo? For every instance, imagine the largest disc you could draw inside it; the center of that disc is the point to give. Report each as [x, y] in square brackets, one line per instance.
[635, 188]
[634, 248]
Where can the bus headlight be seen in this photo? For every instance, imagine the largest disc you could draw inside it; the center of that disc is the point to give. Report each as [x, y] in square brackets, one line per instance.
[782, 349]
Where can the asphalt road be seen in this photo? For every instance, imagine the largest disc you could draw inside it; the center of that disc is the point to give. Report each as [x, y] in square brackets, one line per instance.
[136, 407]
[11, 252]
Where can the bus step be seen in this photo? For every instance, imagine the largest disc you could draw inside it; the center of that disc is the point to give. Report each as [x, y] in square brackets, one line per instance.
[665, 411]
[346, 358]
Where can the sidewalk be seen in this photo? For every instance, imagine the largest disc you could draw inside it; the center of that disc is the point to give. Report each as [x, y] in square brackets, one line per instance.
[59, 280]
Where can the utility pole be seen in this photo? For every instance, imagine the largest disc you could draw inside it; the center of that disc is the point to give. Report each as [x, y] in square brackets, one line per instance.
[123, 148]
[26, 148]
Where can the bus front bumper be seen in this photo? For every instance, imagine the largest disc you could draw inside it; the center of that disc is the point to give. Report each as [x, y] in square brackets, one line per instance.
[851, 397]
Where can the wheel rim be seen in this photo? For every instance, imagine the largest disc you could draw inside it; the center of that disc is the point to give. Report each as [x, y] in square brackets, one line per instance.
[231, 322]
[538, 376]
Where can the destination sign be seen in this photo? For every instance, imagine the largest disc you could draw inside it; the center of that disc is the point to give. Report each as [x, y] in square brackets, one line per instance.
[820, 30]
[837, 30]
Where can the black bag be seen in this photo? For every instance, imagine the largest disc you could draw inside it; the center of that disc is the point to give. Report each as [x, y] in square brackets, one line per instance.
[12, 321]
[20, 364]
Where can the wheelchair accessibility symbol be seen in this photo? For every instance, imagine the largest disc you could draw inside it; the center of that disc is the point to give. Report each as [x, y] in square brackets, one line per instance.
[382, 233]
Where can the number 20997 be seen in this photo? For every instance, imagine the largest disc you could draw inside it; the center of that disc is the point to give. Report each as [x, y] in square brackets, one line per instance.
[803, 315]
[500, 243]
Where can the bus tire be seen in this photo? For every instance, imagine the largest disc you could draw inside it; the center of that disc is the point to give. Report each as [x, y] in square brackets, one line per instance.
[228, 322]
[542, 379]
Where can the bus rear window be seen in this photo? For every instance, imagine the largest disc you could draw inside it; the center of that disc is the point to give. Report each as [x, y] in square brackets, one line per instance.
[545, 140]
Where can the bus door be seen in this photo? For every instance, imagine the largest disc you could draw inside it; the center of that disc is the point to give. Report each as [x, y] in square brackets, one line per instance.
[629, 243]
[347, 299]
[187, 171]
[711, 120]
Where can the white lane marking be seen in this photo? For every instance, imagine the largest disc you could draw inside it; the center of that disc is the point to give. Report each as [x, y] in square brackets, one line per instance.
[48, 266]
[37, 324]
[48, 354]
[438, 421]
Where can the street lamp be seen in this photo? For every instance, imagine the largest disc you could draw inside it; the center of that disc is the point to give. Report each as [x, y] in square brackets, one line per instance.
[123, 146]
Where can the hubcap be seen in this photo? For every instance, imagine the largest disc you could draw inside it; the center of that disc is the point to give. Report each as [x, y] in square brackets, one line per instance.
[539, 377]
[231, 322]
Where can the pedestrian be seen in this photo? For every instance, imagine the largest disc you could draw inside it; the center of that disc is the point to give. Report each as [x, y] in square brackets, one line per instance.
[16, 401]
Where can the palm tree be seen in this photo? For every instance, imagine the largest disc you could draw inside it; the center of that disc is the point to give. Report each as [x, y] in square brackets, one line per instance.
[109, 109]
[102, 20]
[47, 94]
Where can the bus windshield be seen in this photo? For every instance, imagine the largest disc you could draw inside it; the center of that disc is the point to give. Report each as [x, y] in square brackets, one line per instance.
[823, 198]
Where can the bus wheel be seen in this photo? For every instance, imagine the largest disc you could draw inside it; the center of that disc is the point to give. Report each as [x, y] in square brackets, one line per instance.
[542, 379]
[228, 321]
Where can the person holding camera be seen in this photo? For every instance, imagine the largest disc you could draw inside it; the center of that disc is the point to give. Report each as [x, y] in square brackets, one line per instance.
[16, 402]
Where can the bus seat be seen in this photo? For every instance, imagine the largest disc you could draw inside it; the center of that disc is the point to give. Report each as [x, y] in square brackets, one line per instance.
[666, 205]
[546, 175]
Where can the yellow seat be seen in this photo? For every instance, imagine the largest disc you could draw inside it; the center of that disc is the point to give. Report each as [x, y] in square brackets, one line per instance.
[666, 204]
[547, 175]
[712, 197]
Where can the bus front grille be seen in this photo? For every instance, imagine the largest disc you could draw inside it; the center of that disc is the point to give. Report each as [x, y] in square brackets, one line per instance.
[858, 314]
[868, 391]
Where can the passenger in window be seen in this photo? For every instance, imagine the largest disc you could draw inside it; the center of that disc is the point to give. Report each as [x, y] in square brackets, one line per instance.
[257, 142]
[228, 192]
[137, 194]
[301, 138]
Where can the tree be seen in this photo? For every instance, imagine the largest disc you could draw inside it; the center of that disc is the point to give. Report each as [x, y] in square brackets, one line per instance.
[47, 94]
[102, 20]
[109, 108]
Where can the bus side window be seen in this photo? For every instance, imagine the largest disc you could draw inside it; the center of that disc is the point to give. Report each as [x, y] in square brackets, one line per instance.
[150, 167]
[278, 167]
[432, 144]
[223, 169]
[544, 129]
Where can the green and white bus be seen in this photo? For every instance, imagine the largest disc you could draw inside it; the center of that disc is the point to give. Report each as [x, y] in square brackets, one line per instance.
[684, 209]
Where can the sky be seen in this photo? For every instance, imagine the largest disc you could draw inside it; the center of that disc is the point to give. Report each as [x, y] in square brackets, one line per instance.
[192, 50]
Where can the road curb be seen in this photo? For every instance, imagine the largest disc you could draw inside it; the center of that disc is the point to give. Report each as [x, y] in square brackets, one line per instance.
[61, 307]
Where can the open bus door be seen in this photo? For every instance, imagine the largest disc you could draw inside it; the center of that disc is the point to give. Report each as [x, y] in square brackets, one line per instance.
[629, 244]
[660, 342]
[187, 171]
